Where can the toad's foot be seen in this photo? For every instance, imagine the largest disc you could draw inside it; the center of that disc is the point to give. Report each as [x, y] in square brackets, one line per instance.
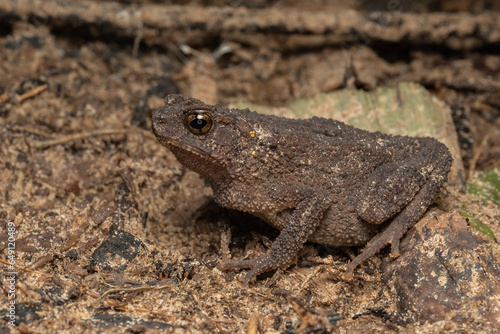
[392, 235]
[258, 266]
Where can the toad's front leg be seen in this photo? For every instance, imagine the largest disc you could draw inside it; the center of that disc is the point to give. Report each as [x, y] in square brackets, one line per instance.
[303, 222]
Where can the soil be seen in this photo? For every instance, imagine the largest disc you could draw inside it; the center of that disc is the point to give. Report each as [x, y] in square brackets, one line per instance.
[112, 234]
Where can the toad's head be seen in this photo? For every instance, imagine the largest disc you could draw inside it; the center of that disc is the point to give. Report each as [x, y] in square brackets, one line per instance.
[203, 138]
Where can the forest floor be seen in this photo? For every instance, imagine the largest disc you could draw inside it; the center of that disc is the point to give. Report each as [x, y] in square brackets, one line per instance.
[108, 233]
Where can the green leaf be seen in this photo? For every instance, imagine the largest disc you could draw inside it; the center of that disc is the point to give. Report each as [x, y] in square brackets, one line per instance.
[478, 225]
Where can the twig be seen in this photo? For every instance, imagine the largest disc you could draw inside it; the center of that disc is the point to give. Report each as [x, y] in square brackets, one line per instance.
[4, 97]
[83, 135]
[24, 268]
[33, 92]
[477, 154]
[137, 288]
[144, 310]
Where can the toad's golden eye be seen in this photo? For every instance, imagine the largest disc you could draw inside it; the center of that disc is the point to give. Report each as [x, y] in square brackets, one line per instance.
[199, 122]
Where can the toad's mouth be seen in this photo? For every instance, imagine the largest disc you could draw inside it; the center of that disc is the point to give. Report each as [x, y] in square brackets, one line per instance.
[176, 143]
[181, 149]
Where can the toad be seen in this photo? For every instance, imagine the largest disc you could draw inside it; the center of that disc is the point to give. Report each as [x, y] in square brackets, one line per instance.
[315, 179]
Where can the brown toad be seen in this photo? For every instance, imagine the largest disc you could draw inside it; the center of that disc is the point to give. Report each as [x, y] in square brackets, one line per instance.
[314, 179]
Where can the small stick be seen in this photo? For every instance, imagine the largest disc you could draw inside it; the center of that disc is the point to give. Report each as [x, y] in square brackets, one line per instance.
[143, 310]
[33, 92]
[24, 268]
[475, 158]
[160, 285]
[4, 97]
[78, 136]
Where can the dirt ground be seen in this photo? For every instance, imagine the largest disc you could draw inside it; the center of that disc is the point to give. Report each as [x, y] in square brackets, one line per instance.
[109, 235]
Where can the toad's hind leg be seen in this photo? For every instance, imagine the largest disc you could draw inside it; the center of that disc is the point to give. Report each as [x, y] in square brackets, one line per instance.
[403, 221]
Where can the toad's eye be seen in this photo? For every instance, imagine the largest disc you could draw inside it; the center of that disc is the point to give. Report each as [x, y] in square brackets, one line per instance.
[199, 122]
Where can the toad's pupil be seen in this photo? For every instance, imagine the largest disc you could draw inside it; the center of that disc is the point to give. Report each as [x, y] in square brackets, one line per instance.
[198, 123]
